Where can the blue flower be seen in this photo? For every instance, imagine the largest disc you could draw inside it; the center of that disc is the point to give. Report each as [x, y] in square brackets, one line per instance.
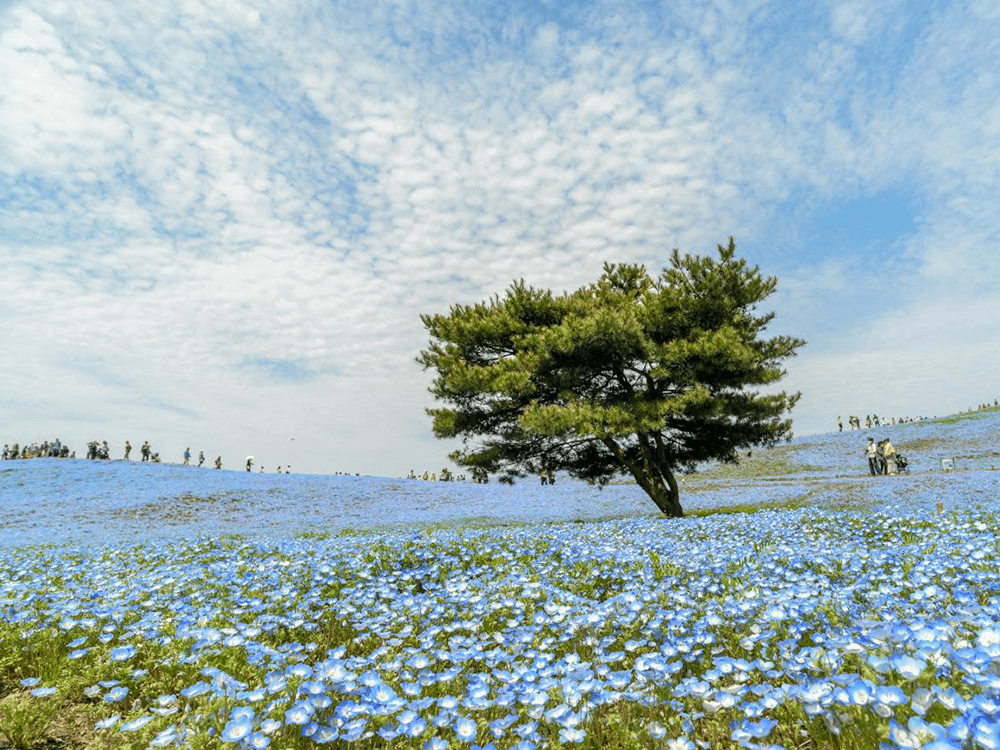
[115, 694]
[136, 724]
[465, 729]
[108, 722]
[236, 729]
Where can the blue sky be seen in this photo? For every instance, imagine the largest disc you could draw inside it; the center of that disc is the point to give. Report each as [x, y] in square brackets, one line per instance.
[220, 221]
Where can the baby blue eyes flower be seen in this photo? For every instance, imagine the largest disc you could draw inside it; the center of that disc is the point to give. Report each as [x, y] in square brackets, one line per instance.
[890, 695]
[299, 714]
[258, 741]
[30, 681]
[136, 724]
[236, 729]
[435, 743]
[908, 667]
[123, 653]
[115, 694]
[680, 743]
[199, 688]
[571, 734]
[108, 722]
[169, 736]
[656, 730]
[270, 726]
[465, 729]
[43, 692]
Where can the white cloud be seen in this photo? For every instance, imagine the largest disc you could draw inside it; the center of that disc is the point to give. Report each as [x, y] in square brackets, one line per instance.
[239, 212]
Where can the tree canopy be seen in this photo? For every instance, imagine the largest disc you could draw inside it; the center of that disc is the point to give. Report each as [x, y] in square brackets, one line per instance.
[631, 375]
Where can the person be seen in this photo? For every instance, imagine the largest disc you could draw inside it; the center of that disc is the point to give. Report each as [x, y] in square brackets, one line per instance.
[249, 462]
[6, 452]
[218, 462]
[128, 449]
[201, 457]
[890, 458]
[145, 450]
[187, 456]
[870, 451]
[543, 476]
[552, 477]
[840, 425]
[868, 421]
[880, 456]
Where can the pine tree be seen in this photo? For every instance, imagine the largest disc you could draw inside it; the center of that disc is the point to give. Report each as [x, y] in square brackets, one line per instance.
[630, 375]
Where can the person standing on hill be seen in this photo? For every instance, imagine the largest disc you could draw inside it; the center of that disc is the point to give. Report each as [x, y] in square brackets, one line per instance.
[201, 457]
[880, 456]
[872, 454]
[128, 449]
[187, 456]
[840, 425]
[218, 462]
[890, 458]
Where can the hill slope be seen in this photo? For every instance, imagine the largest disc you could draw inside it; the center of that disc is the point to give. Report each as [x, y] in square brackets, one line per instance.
[79, 501]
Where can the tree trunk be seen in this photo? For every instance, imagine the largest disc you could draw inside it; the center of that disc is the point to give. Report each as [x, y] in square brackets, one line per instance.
[653, 475]
[665, 494]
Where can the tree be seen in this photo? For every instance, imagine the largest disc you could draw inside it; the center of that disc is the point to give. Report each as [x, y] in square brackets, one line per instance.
[628, 375]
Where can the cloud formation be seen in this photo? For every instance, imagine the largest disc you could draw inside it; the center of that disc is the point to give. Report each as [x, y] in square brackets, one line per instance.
[220, 221]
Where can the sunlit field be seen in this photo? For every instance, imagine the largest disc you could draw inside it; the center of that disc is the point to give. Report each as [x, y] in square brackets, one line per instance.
[801, 604]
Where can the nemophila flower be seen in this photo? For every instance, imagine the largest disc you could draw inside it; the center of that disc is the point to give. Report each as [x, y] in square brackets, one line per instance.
[257, 741]
[116, 694]
[167, 737]
[30, 681]
[656, 730]
[236, 729]
[572, 734]
[465, 729]
[135, 724]
[325, 734]
[986, 733]
[942, 744]
[299, 714]
[680, 743]
[435, 743]
[270, 726]
[108, 722]
[353, 730]
[43, 692]
[198, 688]
[388, 732]
[123, 653]
[908, 667]
[78, 653]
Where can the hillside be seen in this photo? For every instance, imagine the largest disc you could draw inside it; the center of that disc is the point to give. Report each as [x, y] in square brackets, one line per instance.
[80, 501]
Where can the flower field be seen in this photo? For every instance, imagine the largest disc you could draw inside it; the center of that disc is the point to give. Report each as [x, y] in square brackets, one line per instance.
[832, 612]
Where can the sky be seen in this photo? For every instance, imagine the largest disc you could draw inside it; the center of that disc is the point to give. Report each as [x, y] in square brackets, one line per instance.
[220, 221]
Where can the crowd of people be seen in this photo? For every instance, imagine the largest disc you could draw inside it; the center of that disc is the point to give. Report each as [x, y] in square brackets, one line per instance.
[874, 420]
[99, 450]
[479, 476]
[46, 449]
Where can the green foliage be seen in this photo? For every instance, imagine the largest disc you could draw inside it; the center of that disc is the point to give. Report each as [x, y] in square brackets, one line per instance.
[630, 375]
[24, 720]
